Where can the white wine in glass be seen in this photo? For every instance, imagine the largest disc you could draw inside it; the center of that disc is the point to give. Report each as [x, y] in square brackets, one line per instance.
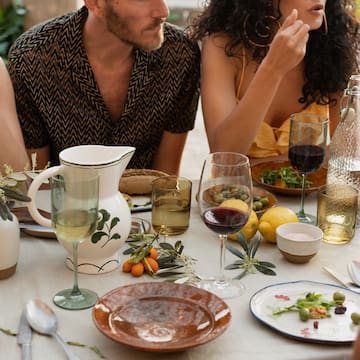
[74, 212]
[171, 201]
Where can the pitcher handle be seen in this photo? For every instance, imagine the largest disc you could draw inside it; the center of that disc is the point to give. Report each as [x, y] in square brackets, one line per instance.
[33, 189]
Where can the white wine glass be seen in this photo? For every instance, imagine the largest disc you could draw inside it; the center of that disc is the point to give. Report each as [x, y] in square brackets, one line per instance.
[307, 147]
[74, 212]
[223, 172]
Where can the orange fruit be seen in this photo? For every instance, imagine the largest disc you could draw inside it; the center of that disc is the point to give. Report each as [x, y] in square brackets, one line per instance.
[153, 253]
[126, 267]
[152, 263]
[137, 269]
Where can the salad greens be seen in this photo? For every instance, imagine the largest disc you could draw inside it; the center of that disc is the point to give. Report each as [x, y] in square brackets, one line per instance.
[313, 306]
[285, 177]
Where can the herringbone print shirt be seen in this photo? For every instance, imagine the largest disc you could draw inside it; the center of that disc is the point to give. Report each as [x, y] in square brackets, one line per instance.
[59, 103]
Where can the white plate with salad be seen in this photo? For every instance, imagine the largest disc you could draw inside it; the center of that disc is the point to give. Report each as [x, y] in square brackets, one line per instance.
[281, 307]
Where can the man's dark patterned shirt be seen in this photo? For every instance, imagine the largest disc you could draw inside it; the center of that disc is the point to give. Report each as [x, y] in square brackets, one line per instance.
[59, 103]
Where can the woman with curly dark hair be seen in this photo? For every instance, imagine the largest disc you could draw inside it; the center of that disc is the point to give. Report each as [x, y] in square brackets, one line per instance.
[263, 60]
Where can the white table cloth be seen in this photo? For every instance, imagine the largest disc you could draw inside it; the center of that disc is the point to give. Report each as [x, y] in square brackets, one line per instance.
[41, 273]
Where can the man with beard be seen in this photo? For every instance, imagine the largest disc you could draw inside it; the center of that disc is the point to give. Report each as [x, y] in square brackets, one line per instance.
[112, 73]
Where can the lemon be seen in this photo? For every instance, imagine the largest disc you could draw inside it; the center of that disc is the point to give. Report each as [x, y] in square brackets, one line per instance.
[249, 229]
[274, 217]
[236, 204]
[251, 226]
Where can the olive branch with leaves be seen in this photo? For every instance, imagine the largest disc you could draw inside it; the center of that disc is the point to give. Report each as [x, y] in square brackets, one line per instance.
[248, 263]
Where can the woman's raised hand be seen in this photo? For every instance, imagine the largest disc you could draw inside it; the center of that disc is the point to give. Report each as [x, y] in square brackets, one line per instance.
[288, 47]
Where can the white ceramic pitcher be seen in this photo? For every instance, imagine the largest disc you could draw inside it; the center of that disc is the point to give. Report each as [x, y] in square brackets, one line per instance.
[100, 252]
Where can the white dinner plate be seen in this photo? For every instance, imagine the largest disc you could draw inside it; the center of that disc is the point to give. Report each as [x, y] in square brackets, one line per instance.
[337, 329]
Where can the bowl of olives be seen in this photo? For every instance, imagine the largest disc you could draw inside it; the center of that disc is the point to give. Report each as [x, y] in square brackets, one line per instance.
[262, 199]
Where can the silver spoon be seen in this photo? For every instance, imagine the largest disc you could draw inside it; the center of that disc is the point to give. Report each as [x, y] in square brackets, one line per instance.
[42, 319]
[354, 272]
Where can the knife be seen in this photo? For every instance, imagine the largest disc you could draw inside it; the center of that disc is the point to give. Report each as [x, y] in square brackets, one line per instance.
[24, 337]
[341, 279]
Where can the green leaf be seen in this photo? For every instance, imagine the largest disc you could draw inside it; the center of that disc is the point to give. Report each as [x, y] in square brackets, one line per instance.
[242, 241]
[114, 222]
[265, 270]
[7, 332]
[235, 251]
[105, 215]
[168, 273]
[166, 246]
[115, 236]
[266, 264]
[15, 195]
[254, 246]
[232, 266]
[97, 236]
[128, 251]
[5, 213]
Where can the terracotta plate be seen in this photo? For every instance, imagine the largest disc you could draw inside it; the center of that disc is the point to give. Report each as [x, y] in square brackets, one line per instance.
[318, 178]
[161, 317]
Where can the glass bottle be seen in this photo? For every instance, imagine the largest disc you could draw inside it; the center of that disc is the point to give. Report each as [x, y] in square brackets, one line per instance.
[344, 154]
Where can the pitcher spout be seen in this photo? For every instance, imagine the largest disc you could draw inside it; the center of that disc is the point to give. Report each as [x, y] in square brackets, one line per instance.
[96, 155]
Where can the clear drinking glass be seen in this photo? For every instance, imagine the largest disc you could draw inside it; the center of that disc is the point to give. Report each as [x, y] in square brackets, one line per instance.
[224, 171]
[171, 200]
[307, 147]
[74, 212]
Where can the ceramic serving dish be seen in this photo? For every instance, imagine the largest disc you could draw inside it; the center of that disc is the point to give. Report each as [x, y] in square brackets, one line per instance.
[317, 178]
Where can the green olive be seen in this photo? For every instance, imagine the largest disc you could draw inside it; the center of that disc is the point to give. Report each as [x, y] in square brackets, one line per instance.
[218, 198]
[244, 197]
[338, 297]
[355, 317]
[257, 205]
[265, 201]
[304, 314]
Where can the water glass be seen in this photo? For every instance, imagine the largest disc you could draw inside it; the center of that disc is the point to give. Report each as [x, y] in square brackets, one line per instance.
[336, 212]
[171, 200]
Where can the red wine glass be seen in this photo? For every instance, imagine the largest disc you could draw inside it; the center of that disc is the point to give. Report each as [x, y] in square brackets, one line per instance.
[224, 173]
[307, 147]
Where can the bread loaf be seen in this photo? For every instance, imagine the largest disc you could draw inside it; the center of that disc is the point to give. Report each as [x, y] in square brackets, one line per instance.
[138, 181]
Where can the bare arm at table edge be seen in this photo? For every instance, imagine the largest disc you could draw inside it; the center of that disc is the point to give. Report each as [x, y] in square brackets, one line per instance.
[12, 148]
[169, 153]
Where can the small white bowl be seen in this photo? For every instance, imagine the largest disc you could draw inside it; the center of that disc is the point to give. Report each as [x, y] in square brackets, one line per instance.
[298, 242]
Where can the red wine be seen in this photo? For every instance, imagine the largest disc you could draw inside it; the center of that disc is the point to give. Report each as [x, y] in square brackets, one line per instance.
[224, 220]
[306, 158]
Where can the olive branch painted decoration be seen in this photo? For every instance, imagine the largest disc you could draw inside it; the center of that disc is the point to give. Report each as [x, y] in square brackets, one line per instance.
[103, 229]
